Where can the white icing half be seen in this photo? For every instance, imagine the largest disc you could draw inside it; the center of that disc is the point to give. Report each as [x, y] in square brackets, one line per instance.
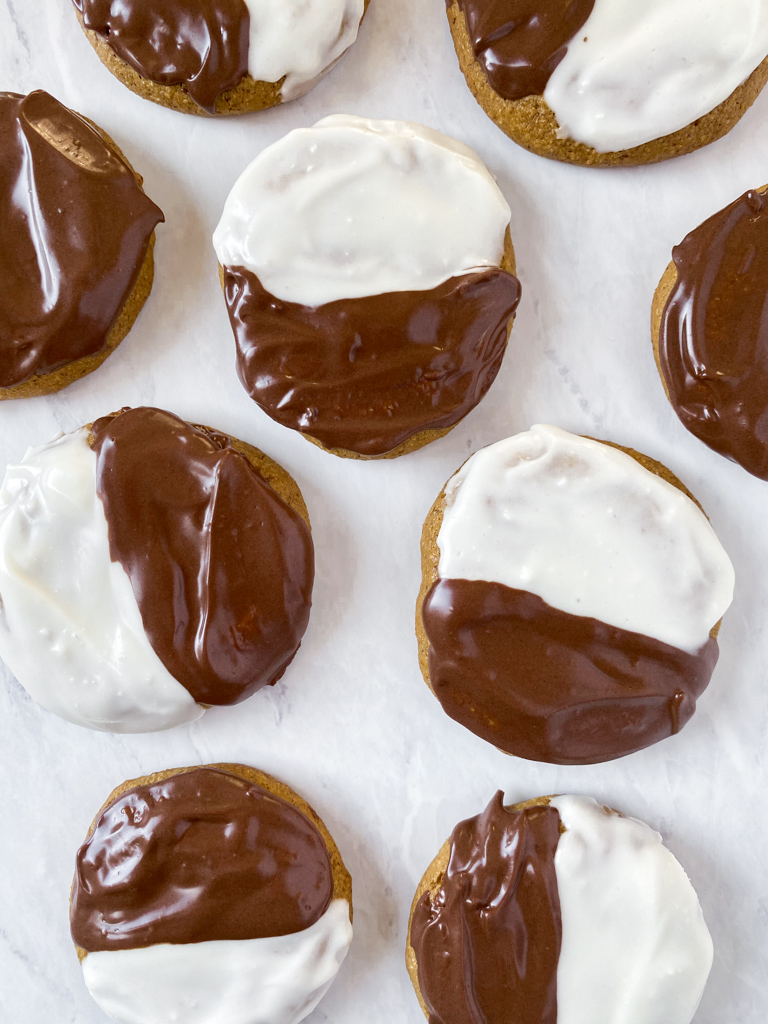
[642, 69]
[247, 981]
[590, 531]
[354, 207]
[635, 947]
[301, 39]
[70, 626]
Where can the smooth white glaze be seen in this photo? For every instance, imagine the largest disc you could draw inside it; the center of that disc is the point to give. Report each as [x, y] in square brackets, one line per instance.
[247, 981]
[354, 207]
[299, 39]
[70, 627]
[640, 70]
[635, 947]
[590, 531]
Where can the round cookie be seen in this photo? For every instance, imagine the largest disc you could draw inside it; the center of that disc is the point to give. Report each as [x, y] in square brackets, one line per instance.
[76, 254]
[211, 892]
[612, 83]
[570, 599]
[368, 272]
[709, 337]
[150, 568]
[220, 56]
[556, 911]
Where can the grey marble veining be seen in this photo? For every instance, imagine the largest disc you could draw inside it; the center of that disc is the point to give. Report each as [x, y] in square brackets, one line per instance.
[352, 726]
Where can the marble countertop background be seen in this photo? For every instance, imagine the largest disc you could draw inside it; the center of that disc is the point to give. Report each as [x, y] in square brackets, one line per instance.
[352, 726]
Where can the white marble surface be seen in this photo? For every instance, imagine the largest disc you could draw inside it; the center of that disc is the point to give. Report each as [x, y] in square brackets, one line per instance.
[353, 726]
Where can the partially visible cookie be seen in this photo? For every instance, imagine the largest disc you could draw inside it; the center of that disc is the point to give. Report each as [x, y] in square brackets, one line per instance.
[710, 333]
[209, 893]
[610, 83]
[570, 599]
[556, 910]
[75, 247]
[220, 56]
[150, 568]
[369, 276]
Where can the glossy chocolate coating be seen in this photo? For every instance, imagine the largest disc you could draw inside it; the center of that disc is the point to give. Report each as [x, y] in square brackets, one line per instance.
[201, 856]
[549, 686]
[519, 43]
[364, 375]
[488, 943]
[713, 341]
[221, 567]
[75, 228]
[200, 44]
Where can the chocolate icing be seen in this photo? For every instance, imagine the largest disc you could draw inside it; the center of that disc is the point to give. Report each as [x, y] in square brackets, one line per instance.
[519, 43]
[76, 228]
[202, 45]
[488, 943]
[713, 341]
[202, 856]
[549, 686]
[366, 374]
[221, 567]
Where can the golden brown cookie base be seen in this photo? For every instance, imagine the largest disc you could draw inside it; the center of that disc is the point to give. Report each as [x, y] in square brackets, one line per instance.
[430, 553]
[531, 124]
[48, 383]
[247, 97]
[423, 437]
[432, 880]
[342, 882]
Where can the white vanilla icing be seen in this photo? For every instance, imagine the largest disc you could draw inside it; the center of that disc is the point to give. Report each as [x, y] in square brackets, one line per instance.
[70, 626]
[299, 39]
[590, 531]
[353, 207]
[635, 948]
[247, 981]
[638, 71]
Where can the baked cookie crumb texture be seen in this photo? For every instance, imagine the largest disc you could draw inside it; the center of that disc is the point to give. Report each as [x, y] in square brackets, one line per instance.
[182, 574]
[220, 56]
[209, 893]
[557, 910]
[570, 598]
[377, 334]
[76, 254]
[604, 82]
[710, 333]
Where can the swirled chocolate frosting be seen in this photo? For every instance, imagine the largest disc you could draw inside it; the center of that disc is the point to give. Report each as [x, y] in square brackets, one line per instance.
[75, 229]
[713, 341]
[200, 44]
[366, 374]
[519, 43]
[204, 855]
[549, 686]
[221, 567]
[488, 942]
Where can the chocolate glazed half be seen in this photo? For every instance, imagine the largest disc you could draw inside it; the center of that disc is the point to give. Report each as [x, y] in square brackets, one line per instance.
[519, 43]
[200, 44]
[76, 229]
[487, 934]
[202, 855]
[545, 685]
[221, 566]
[366, 375]
[713, 333]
